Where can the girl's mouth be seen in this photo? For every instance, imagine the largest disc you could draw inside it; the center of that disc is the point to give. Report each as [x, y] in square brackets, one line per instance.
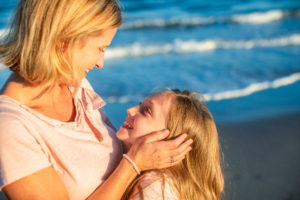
[127, 126]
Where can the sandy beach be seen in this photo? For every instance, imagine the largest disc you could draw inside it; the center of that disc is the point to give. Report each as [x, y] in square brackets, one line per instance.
[262, 158]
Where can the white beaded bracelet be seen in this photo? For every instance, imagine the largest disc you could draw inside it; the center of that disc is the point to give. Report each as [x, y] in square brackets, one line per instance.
[132, 163]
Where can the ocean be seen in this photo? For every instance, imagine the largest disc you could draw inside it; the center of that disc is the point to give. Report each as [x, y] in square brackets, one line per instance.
[243, 56]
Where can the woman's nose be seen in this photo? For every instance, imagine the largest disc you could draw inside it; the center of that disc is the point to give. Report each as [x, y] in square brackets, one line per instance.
[100, 62]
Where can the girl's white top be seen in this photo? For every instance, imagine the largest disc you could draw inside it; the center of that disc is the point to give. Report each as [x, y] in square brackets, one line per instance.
[83, 153]
[154, 187]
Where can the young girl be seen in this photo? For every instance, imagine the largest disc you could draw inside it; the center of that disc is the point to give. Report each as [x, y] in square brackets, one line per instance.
[199, 175]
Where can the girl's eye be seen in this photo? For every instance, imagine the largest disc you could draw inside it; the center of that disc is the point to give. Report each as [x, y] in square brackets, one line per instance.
[145, 110]
[101, 50]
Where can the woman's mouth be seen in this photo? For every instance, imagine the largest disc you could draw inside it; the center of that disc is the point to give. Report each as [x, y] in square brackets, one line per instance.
[99, 67]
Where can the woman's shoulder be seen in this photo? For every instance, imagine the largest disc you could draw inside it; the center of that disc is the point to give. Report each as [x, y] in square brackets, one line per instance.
[9, 108]
[11, 113]
[155, 185]
[14, 117]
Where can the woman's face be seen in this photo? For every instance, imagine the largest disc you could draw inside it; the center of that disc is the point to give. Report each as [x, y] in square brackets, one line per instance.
[148, 116]
[89, 52]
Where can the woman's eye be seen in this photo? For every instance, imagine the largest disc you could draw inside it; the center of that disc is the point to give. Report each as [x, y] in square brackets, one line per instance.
[101, 50]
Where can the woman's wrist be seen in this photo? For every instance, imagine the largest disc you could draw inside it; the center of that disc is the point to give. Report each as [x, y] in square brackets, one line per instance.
[117, 182]
[133, 156]
[136, 168]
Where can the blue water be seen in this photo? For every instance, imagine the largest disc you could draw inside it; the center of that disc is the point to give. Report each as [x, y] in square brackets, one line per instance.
[249, 49]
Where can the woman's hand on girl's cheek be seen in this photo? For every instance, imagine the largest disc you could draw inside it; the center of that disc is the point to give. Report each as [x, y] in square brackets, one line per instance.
[152, 152]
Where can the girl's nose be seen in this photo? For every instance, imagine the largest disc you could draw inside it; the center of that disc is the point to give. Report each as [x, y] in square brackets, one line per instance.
[131, 111]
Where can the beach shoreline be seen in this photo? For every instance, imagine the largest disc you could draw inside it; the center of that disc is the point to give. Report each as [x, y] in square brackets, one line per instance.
[262, 158]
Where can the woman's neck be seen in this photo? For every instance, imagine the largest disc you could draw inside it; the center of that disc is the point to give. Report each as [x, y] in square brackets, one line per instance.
[54, 101]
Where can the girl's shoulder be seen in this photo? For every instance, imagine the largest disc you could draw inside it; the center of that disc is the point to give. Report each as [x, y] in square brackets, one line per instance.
[154, 185]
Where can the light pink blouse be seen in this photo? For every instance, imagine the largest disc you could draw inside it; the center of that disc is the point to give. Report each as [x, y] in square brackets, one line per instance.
[83, 152]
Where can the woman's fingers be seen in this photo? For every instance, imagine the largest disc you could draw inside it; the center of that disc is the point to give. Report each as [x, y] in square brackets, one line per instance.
[175, 143]
[174, 153]
[153, 153]
[182, 155]
[173, 161]
[155, 136]
[146, 151]
[183, 148]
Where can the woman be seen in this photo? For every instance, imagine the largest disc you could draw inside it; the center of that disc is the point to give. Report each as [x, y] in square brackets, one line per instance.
[56, 141]
[199, 175]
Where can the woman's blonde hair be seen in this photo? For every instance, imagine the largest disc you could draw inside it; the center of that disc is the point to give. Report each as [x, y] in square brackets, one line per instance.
[199, 175]
[33, 47]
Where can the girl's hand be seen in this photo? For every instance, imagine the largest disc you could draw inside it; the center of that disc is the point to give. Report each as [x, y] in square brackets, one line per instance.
[151, 152]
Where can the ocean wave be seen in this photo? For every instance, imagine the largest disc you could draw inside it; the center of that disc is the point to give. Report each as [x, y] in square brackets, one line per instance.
[193, 21]
[253, 88]
[3, 32]
[167, 23]
[249, 18]
[230, 94]
[189, 46]
[259, 17]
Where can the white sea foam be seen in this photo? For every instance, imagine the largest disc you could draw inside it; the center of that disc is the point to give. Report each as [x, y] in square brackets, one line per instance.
[189, 46]
[2, 66]
[259, 17]
[3, 32]
[160, 23]
[249, 18]
[281, 41]
[253, 88]
[230, 94]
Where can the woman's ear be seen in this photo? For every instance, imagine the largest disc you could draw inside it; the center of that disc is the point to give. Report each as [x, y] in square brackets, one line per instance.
[64, 45]
[63, 48]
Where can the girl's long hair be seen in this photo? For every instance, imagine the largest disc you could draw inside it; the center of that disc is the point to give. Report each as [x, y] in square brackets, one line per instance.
[199, 175]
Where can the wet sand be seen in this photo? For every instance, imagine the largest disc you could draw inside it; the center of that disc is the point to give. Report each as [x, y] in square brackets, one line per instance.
[262, 158]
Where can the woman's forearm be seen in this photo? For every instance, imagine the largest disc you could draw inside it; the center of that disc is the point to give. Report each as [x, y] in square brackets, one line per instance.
[148, 152]
[115, 186]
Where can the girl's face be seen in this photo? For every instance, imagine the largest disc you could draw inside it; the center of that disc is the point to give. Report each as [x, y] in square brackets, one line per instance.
[147, 117]
[89, 53]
